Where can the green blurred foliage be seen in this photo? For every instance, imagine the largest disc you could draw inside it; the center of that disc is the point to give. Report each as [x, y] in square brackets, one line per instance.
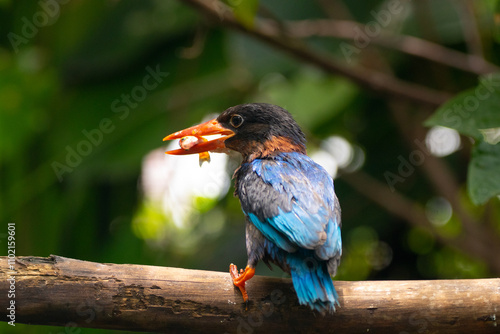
[475, 113]
[244, 11]
[80, 109]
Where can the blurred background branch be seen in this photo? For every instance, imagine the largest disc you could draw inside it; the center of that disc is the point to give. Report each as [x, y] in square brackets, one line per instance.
[404, 43]
[368, 78]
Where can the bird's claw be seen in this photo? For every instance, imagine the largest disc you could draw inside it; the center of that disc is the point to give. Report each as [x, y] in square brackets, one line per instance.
[233, 271]
[239, 278]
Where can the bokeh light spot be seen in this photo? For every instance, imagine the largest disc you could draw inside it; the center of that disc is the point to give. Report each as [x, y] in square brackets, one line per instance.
[441, 141]
[438, 210]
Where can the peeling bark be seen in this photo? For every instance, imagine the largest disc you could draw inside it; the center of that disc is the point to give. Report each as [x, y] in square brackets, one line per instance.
[67, 292]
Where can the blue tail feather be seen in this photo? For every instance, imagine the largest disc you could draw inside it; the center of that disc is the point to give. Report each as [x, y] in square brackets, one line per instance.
[313, 284]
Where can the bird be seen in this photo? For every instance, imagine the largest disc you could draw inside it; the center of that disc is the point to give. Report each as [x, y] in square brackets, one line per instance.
[293, 216]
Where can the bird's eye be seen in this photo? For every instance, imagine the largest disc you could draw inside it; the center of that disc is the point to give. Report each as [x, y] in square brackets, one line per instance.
[236, 121]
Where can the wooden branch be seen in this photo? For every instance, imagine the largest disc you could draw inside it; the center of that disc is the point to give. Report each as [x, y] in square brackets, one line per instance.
[66, 292]
[376, 81]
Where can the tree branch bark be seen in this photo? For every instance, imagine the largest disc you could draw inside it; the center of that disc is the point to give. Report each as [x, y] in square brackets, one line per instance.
[66, 292]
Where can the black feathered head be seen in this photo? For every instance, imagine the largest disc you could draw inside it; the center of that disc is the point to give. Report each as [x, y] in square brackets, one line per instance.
[254, 130]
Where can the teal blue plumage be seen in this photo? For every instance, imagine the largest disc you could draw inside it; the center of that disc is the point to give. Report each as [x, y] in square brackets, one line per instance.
[293, 220]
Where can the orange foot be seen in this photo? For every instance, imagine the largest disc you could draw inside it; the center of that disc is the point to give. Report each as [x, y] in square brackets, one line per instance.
[240, 278]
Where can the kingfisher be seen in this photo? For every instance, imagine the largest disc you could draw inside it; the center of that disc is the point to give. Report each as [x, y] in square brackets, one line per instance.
[291, 209]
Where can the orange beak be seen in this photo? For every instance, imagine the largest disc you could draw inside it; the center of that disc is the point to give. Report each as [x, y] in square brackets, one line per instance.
[211, 127]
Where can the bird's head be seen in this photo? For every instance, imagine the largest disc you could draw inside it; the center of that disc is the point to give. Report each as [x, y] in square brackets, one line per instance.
[254, 130]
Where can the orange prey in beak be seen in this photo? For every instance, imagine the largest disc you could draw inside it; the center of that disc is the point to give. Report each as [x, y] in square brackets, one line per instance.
[211, 127]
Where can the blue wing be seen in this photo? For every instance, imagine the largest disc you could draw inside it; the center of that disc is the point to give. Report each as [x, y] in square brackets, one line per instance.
[291, 200]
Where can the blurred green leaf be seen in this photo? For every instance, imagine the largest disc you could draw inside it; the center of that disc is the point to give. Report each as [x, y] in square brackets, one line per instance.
[484, 177]
[475, 113]
[244, 11]
[472, 110]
